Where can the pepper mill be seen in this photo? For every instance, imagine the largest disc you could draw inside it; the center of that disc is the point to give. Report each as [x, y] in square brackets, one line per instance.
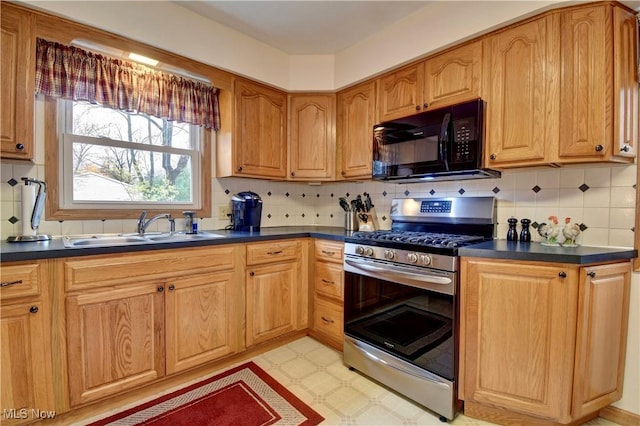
[525, 235]
[512, 233]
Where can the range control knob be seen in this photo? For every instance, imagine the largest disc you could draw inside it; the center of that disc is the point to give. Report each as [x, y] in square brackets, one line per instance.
[425, 259]
[389, 254]
[359, 250]
[368, 251]
[412, 258]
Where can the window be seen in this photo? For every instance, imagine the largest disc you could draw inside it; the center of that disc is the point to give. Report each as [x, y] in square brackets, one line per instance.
[136, 160]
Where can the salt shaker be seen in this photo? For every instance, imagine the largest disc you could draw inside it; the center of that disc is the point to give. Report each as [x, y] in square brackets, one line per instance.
[525, 234]
[512, 233]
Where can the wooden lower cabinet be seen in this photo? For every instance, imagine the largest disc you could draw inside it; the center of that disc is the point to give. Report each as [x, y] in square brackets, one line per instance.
[121, 335]
[328, 302]
[271, 301]
[541, 341]
[25, 324]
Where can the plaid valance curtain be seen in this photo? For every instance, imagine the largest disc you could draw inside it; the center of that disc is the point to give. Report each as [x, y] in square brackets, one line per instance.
[69, 72]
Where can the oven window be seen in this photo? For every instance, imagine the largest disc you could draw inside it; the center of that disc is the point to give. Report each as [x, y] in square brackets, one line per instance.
[414, 324]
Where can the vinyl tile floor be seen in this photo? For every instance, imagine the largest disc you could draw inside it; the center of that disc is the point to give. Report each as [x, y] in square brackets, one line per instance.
[315, 374]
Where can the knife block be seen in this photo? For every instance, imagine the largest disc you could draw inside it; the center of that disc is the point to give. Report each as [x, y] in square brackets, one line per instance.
[371, 224]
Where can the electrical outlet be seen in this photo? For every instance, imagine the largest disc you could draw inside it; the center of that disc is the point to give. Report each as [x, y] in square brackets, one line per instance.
[224, 211]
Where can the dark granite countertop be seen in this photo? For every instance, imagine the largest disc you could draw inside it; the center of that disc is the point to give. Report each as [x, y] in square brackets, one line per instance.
[56, 249]
[582, 255]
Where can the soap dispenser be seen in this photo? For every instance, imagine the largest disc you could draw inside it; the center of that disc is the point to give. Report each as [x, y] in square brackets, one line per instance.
[190, 222]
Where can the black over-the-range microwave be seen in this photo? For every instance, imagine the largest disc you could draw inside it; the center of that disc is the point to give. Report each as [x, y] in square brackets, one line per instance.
[441, 144]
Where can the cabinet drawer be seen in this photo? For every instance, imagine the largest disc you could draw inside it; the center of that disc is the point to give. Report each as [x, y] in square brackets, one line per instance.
[328, 319]
[98, 271]
[20, 280]
[329, 251]
[329, 279]
[272, 251]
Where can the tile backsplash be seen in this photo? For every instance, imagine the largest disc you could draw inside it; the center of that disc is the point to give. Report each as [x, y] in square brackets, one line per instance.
[600, 197]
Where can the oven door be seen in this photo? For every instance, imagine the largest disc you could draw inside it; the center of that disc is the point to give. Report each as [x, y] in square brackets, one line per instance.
[401, 312]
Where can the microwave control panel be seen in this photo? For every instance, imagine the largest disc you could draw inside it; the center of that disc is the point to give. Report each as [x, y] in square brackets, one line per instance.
[464, 140]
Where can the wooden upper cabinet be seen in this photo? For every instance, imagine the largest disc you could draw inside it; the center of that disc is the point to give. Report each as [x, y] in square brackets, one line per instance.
[454, 76]
[400, 92]
[356, 116]
[521, 91]
[599, 94]
[312, 137]
[17, 85]
[626, 110]
[260, 143]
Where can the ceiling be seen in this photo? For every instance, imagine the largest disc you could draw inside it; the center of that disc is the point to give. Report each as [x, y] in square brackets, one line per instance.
[306, 27]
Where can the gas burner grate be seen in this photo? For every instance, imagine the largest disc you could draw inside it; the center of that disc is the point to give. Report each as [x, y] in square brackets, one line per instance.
[426, 239]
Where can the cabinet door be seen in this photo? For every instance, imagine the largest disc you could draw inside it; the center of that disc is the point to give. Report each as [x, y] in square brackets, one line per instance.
[585, 90]
[201, 323]
[625, 82]
[26, 369]
[271, 301]
[400, 92]
[454, 76]
[260, 136]
[356, 118]
[521, 93]
[114, 340]
[518, 336]
[601, 336]
[17, 44]
[312, 137]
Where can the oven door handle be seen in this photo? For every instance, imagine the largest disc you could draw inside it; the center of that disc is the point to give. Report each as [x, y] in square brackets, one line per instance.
[425, 376]
[391, 272]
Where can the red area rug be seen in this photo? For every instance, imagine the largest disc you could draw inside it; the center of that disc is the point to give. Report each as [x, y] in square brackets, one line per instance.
[245, 395]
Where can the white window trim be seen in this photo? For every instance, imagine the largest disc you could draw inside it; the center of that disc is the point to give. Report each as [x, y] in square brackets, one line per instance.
[65, 171]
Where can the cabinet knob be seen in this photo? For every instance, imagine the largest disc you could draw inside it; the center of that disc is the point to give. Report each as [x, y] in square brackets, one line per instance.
[160, 289]
[33, 309]
[293, 174]
[562, 274]
[343, 173]
[599, 148]
[172, 287]
[626, 147]
[591, 274]
[418, 107]
[425, 105]
[493, 157]
[239, 168]
[251, 274]
[19, 146]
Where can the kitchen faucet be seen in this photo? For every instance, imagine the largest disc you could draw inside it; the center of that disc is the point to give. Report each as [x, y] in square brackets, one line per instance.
[142, 224]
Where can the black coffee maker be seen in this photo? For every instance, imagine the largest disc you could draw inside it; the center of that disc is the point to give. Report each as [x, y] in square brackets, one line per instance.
[246, 211]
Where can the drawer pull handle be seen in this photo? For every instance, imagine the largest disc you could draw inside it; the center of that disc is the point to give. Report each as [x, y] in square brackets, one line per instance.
[327, 320]
[10, 283]
[328, 253]
[328, 282]
[271, 253]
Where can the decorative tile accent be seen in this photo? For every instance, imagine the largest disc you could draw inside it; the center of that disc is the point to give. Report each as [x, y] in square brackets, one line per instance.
[331, 215]
[303, 195]
[317, 195]
[332, 195]
[12, 182]
[461, 191]
[287, 194]
[286, 215]
[13, 219]
[584, 187]
[226, 191]
[384, 218]
[536, 189]
[302, 214]
[269, 215]
[384, 193]
[406, 193]
[347, 195]
[535, 225]
[269, 193]
[496, 190]
[582, 227]
[432, 192]
[317, 214]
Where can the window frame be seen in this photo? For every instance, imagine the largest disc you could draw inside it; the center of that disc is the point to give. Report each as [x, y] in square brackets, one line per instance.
[56, 210]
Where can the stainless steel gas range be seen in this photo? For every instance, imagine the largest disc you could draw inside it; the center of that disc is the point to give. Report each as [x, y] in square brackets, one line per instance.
[401, 307]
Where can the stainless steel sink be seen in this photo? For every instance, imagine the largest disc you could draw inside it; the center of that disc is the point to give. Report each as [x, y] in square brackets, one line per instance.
[109, 240]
